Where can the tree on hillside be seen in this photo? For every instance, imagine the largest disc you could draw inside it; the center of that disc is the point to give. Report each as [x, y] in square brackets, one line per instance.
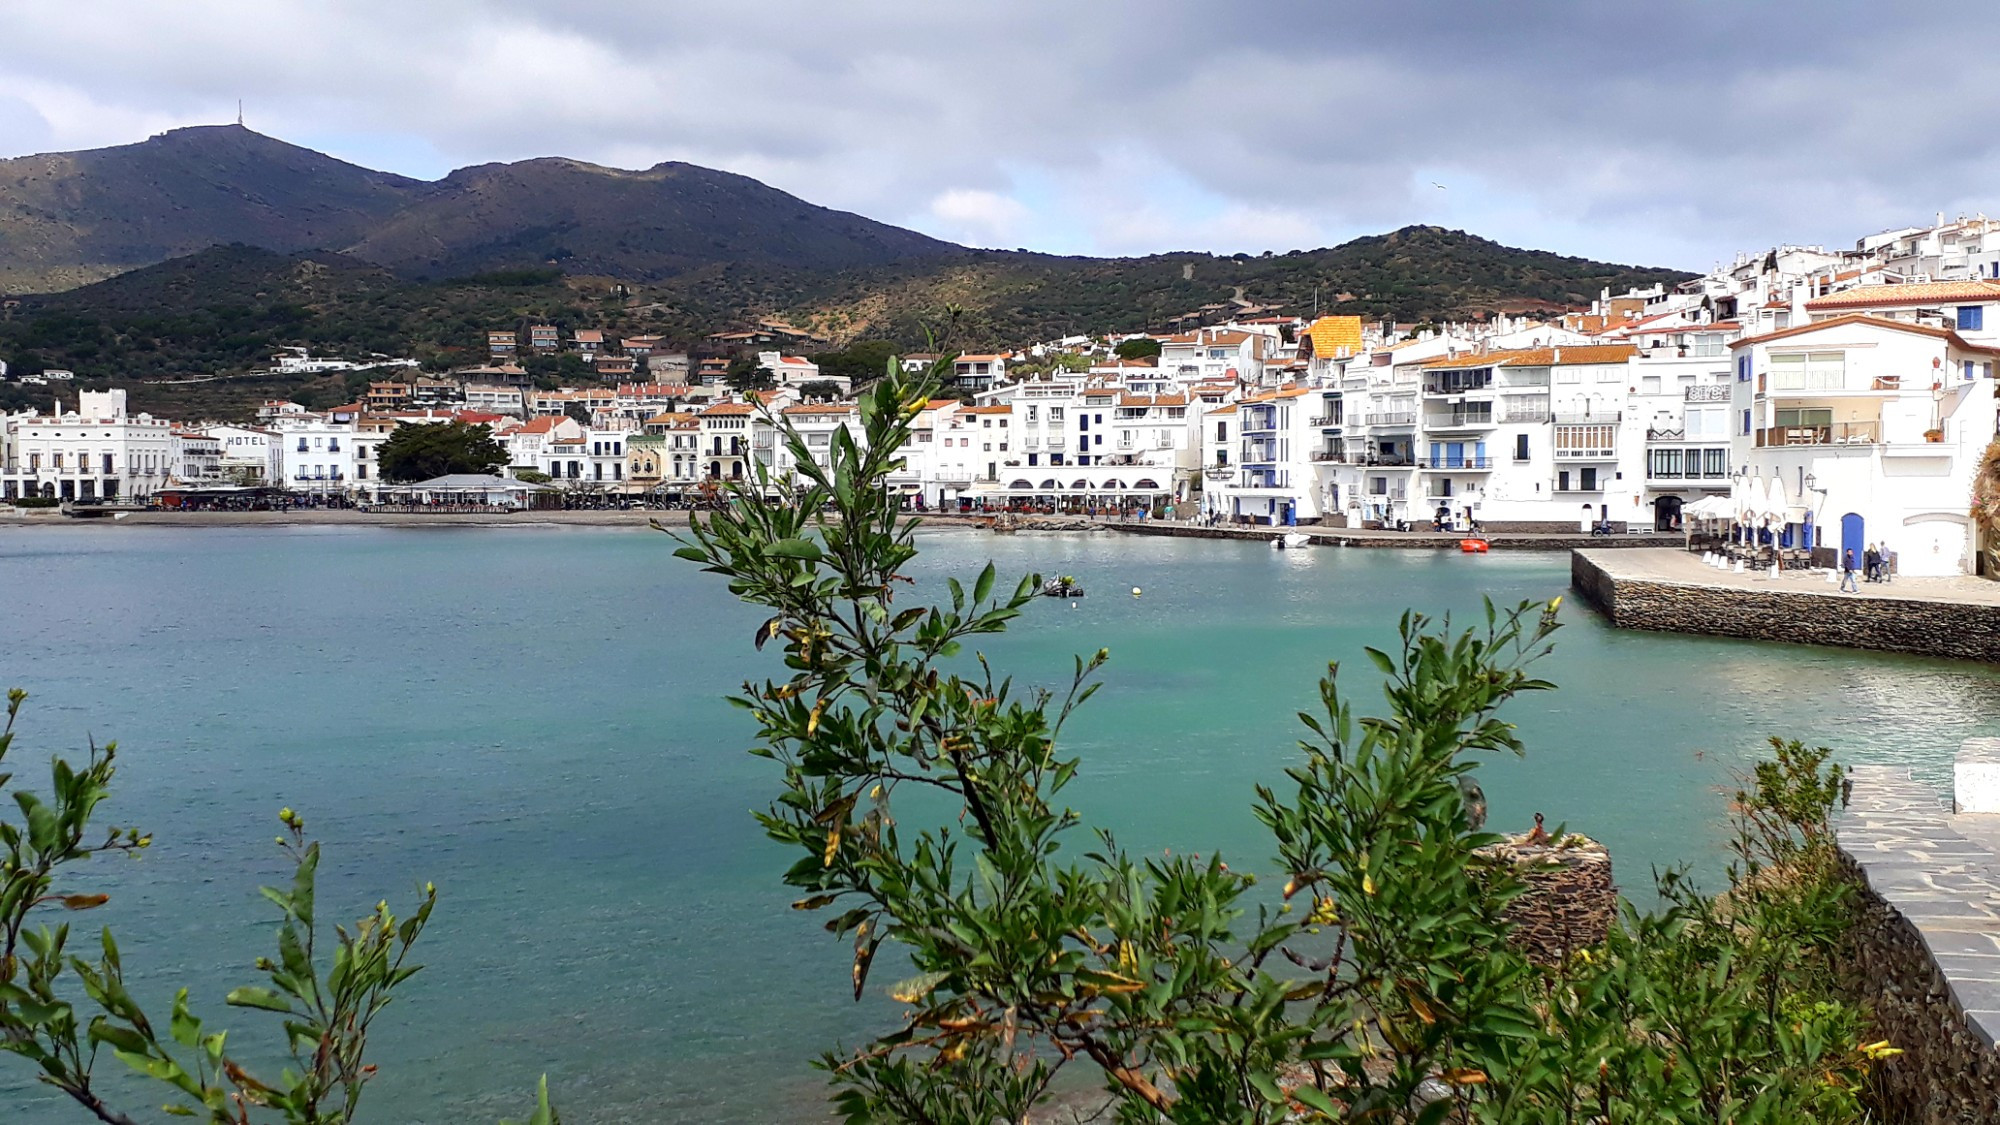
[819, 390]
[859, 362]
[422, 451]
[1141, 348]
[745, 374]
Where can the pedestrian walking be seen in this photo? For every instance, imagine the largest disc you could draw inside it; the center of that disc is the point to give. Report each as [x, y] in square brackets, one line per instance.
[1871, 564]
[1847, 582]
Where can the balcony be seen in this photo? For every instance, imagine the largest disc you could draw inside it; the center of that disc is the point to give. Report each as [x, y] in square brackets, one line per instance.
[1392, 418]
[1606, 418]
[1466, 463]
[1385, 460]
[1327, 422]
[1393, 495]
[1665, 435]
[1450, 386]
[1836, 433]
[1460, 420]
[1332, 455]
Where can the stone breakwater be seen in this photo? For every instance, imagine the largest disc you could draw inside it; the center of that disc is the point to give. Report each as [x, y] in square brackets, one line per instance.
[1929, 627]
[1924, 954]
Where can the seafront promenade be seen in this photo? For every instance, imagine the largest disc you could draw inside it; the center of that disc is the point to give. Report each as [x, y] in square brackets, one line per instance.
[1413, 540]
[1672, 591]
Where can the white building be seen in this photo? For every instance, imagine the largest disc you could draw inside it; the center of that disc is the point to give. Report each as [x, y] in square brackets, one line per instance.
[95, 452]
[316, 455]
[1875, 428]
[249, 455]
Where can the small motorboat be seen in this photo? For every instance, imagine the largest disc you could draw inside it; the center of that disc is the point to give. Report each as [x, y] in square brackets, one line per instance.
[1473, 546]
[1291, 542]
[1061, 587]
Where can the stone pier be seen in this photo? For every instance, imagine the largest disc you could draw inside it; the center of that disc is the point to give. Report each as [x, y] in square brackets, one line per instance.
[1672, 591]
[1926, 943]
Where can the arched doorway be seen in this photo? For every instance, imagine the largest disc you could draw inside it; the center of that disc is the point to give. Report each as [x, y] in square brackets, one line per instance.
[1852, 537]
[1666, 512]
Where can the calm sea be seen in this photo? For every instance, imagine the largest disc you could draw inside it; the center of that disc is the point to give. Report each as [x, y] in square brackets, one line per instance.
[532, 718]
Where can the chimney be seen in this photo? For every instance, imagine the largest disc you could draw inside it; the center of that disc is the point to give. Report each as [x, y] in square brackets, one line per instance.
[1559, 355]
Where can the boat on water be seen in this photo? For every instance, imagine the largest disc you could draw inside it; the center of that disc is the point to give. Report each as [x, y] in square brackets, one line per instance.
[1289, 542]
[1061, 587]
[1473, 546]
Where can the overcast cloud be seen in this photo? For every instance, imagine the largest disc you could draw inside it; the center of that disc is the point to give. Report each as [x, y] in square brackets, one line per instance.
[1665, 133]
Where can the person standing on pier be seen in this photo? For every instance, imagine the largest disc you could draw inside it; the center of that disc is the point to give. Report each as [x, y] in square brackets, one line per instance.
[1847, 581]
[1871, 564]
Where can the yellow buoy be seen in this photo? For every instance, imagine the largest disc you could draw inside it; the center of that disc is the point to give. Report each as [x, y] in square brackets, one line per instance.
[1135, 591]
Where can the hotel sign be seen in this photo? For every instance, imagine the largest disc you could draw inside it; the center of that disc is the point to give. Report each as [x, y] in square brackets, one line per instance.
[1711, 392]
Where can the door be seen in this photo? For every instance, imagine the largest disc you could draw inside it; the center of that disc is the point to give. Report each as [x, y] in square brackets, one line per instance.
[1852, 532]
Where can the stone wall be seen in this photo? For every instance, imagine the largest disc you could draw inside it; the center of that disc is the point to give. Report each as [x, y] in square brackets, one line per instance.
[1924, 954]
[1948, 629]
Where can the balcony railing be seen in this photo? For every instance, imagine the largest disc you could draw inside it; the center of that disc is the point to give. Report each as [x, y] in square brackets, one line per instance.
[1455, 463]
[1837, 433]
[1393, 494]
[1666, 435]
[1392, 418]
[1384, 460]
[1325, 421]
[1578, 486]
[1329, 455]
[1587, 419]
[1459, 419]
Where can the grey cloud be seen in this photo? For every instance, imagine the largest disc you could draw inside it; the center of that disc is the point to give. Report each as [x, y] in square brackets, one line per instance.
[1685, 129]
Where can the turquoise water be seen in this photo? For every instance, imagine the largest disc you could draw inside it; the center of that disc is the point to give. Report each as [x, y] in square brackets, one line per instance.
[531, 718]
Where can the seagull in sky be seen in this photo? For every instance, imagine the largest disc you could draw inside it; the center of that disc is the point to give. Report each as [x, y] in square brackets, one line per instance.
[1437, 185]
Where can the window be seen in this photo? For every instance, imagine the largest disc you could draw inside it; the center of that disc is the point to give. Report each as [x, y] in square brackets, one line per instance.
[1715, 462]
[1562, 481]
[1746, 422]
[1589, 481]
[1222, 431]
[1520, 447]
[1971, 318]
[1809, 371]
[1743, 370]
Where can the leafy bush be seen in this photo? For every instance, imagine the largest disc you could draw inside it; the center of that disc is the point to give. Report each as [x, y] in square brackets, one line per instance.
[1377, 984]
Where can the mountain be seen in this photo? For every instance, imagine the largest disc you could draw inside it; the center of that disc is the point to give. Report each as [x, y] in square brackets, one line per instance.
[73, 217]
[646, 225]
[67, 219]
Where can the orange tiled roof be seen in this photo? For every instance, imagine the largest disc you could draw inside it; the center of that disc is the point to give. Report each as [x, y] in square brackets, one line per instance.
[1152, 400]
[1331, 334]
[730, 408]
[1913, 293]
[1540, 357]
[823, 408]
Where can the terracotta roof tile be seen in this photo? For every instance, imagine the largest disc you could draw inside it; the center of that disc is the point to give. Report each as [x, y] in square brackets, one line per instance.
[1912, 293]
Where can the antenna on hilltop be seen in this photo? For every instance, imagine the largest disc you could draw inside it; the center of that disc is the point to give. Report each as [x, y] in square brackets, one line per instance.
[239, 113]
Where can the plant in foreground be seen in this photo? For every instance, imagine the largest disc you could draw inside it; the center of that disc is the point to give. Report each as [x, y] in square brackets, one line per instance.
[1376, 985]
[327, 1008]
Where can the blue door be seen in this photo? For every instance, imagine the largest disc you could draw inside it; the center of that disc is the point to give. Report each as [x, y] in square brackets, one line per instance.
[1806, 533]
[1851, 538]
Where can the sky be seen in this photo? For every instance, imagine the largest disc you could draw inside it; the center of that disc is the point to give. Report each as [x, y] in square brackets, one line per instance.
[1671, 133]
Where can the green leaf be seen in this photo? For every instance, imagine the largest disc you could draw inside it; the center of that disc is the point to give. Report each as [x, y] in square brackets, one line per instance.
[250, 997]
[804, 549]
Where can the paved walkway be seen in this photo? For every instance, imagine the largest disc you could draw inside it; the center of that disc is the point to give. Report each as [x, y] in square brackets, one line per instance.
[1675, 565]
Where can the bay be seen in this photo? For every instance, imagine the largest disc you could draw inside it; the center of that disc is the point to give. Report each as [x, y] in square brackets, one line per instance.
[532, 719]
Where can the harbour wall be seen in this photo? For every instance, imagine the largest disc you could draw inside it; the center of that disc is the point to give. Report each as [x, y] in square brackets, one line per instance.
[1924, 952]
[1956, 630]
